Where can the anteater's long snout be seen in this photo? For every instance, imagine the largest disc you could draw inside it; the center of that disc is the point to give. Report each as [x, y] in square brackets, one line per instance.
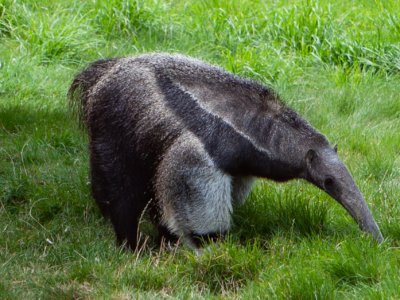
[340, 185]
[355, 204]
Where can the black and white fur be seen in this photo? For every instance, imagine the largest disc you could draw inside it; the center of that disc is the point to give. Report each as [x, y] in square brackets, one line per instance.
[188, 138]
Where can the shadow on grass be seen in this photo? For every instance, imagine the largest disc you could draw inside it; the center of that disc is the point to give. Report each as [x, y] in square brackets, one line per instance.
[20, 119]
[269, 211]
[36, 133]
[42, 157]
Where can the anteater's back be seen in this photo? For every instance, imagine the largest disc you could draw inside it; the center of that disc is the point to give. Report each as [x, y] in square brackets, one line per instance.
[151, 99]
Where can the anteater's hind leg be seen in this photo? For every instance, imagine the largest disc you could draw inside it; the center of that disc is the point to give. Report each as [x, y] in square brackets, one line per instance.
[119, 188]
[194, 195]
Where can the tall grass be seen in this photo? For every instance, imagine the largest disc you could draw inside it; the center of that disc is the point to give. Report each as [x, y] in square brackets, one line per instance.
[337, 63]
[312, 29]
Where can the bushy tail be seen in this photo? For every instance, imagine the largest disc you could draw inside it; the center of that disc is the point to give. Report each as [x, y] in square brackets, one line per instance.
[82, 84]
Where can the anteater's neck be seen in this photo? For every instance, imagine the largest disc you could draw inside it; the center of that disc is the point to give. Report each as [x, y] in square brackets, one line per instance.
[282, 144]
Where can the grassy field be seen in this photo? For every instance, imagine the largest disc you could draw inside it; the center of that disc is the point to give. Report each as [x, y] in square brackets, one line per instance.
[337, 64]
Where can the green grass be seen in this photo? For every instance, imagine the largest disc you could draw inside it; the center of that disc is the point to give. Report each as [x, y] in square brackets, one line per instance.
[336, 63]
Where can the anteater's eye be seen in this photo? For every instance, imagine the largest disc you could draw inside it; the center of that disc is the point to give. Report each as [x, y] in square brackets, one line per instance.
[328, 183]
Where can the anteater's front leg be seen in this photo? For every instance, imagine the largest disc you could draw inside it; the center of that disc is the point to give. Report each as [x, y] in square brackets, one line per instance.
[194, 195]
[241, 188]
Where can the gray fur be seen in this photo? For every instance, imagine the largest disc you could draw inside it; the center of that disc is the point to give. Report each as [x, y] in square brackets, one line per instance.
[241, 187]
[194, 137]
[199, 203]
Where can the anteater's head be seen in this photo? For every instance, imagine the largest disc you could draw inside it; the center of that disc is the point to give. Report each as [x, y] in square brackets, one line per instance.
[324, 169]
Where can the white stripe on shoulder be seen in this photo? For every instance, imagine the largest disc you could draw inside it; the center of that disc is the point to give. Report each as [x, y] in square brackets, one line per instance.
[230, 124]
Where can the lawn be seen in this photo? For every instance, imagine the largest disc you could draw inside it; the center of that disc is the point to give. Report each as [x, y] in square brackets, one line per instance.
[337, 64]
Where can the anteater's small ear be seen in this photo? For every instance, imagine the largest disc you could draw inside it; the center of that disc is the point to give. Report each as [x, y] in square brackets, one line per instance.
[335, 148]
[311, 156]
